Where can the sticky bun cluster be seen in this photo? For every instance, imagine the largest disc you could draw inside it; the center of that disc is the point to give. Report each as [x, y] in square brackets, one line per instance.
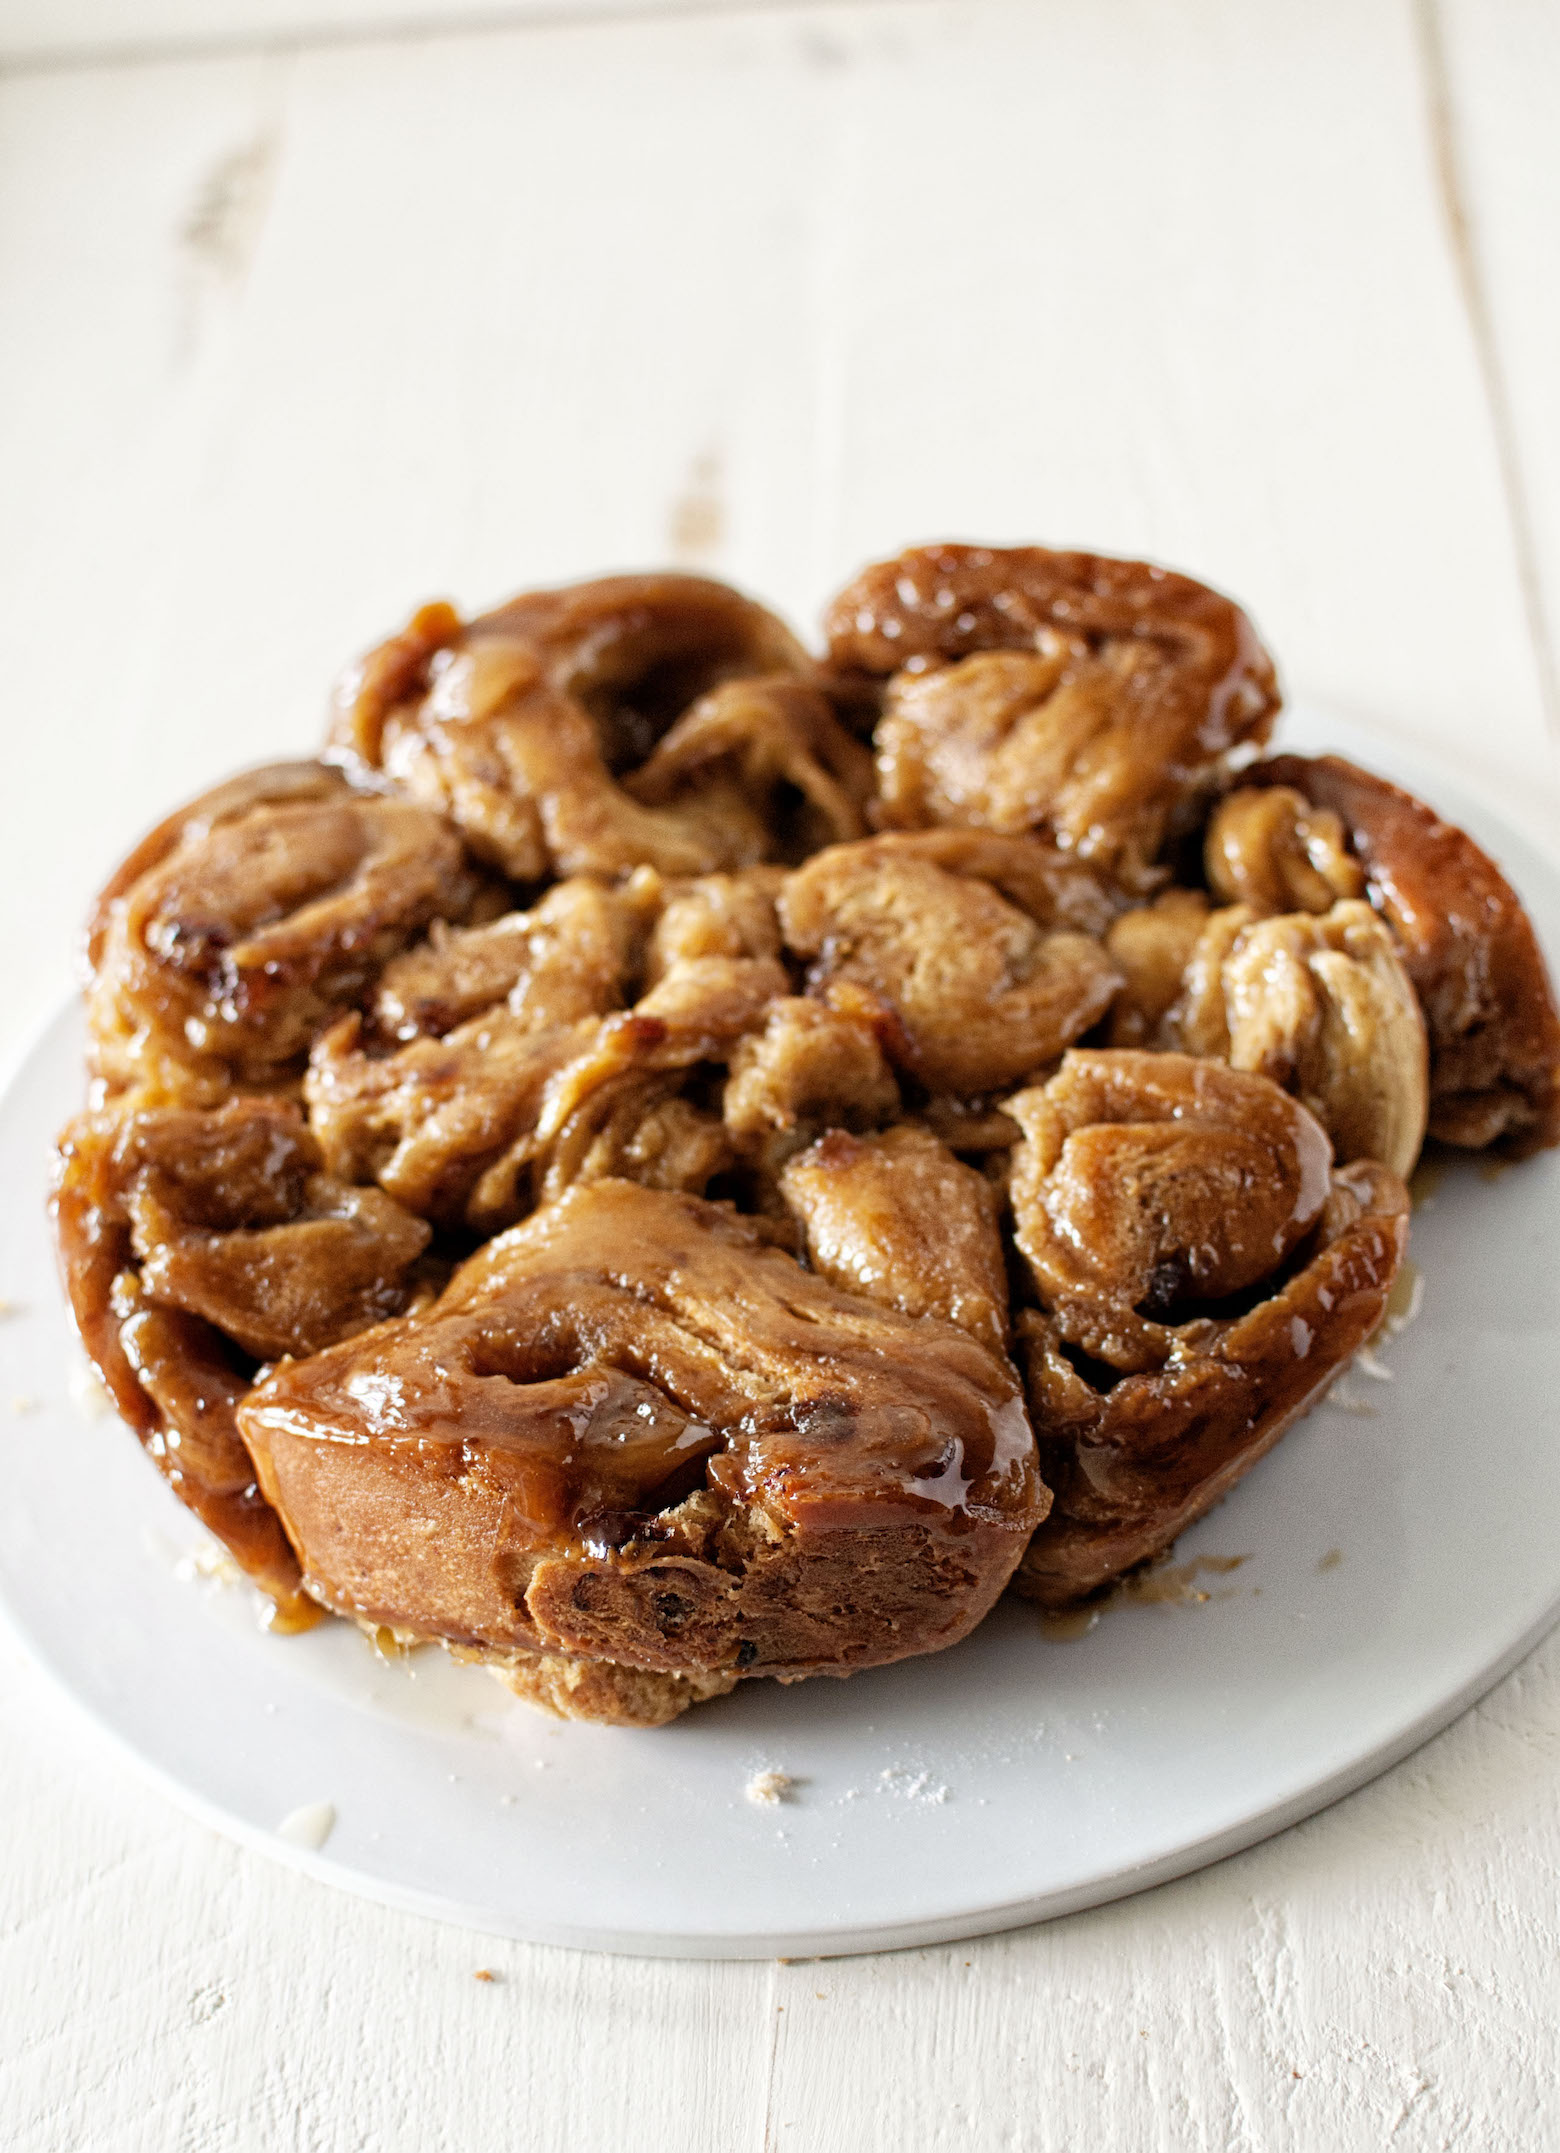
[663, 1158]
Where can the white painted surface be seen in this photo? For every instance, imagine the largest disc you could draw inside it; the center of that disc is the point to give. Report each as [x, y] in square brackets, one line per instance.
[296, 339]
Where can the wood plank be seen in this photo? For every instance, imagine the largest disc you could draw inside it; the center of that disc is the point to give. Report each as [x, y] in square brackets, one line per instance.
[1185, 290]
[124, 210]
[1371, 1978]
[1495, 70]
[166, 1992]
[45, 33]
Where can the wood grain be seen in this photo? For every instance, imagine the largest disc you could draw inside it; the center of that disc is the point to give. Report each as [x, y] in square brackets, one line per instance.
[1495, 69]
[303, 335]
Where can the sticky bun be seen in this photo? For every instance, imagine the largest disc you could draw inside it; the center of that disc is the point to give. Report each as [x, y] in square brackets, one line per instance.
[1467, 945]
[250, 918]
[656, 720]
[633, 1430]
[1199, 1271]
[1092, 700]
[197, 1242]
[659, 1161]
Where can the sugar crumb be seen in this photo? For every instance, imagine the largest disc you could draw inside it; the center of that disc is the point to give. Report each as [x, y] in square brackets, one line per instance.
[1344, 1400]
[768, 1787]
[87, 1393]
[24, 1404]
[309, 1826]
[912, 1786]
[208, 1566]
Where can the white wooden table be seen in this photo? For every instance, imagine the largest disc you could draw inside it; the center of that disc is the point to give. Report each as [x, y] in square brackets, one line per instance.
[313, 308]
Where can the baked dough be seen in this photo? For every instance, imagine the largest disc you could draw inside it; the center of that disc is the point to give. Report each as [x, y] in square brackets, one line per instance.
[612, 1170]
[658, 720]
[631, 1429]
[1201, 1271]
[1092, 700]
[1468, 946]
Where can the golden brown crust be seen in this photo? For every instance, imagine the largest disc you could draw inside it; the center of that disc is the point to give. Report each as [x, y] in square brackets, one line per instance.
[570, 956]
[1269, 848]
[244, 923]
[1469, 948]
[512, 1469]
[1321, 1003]
[1028, 689]
[553, 1082]
[1169, 1352]
[659, 720]
[601, 1691]
[1151, 1184]
[1152, 946]
[173, 1376]
[192, 1241]
[897, 1218]
[809, 1069]
[970, 991]
[1318, 1001]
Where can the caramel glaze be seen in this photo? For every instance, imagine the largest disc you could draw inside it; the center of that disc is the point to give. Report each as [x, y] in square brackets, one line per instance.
[1468, 946]
[976, 955]
[1085, 697]
[631, 1427]
[172, 1382]
[654, 720]
[1202, 1273]
[897, 1218]
[236, 929]
[190, 1240]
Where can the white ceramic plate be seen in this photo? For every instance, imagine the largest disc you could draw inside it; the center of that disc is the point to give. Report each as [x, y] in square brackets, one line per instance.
[1397, 1559]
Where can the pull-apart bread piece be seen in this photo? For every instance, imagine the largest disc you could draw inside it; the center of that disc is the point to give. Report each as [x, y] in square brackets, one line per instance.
[1321, 1002]
[896, 1217]
[1201, 1271]
[1466, 943]
[657, 720]
[976, 955]
[634, 1453]
[194, 1243]
[547, 1078]
[1095, 701]
[246, 921]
